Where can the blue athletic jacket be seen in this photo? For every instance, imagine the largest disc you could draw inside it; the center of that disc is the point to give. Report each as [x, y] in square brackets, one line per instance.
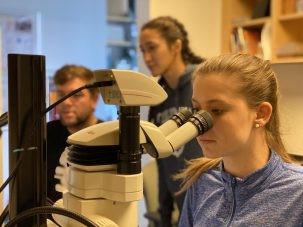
[271, 196]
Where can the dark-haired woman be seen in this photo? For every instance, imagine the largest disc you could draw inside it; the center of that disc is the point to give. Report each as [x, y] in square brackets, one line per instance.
[165, 48]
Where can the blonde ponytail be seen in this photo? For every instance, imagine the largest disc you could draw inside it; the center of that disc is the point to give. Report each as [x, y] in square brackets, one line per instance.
[194, 169]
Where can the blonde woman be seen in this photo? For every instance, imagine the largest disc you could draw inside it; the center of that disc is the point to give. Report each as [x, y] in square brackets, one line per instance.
[246, 177]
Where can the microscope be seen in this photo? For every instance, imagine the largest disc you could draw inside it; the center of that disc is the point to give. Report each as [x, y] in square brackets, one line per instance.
[101, 174]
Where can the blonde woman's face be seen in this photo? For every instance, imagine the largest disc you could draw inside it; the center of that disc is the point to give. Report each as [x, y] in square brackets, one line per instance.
[158, 56]
[232, 131]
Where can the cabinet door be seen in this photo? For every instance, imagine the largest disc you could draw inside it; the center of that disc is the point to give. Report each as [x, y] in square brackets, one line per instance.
[243, 25]
[267, 28]
[287, 36]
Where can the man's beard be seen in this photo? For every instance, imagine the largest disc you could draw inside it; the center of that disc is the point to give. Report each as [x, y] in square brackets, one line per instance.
[78, 122]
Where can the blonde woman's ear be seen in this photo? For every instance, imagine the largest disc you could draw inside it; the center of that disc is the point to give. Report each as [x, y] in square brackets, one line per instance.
[264, 111]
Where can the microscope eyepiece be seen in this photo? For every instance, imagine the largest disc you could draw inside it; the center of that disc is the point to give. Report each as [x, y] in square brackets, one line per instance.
[202, 120]
[176, 121]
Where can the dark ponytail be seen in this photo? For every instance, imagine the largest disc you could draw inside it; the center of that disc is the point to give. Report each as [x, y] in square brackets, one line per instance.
[171, 30]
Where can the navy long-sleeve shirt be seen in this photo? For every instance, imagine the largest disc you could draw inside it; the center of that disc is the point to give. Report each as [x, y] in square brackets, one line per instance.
[170, 166]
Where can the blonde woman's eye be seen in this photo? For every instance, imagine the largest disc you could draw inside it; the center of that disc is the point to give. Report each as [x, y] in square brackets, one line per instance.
[195, 110]
[217, 111]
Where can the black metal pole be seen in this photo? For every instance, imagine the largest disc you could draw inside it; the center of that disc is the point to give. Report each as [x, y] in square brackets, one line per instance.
[129, 157]
[26, 91]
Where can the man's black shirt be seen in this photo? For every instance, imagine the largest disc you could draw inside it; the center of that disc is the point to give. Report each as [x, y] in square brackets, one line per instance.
[56, 143]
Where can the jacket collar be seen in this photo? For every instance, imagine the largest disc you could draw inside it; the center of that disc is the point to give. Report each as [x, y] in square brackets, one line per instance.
[255, 182]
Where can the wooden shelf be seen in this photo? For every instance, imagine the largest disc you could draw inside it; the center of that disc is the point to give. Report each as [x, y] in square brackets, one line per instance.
[281, 31]
[291, 17]
[297, 156]
[288, 60]
[259, 22]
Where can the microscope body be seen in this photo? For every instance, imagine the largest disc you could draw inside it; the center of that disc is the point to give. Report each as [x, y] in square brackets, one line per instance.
[107, 191]
[101, 174]
[99, 192]
[105, 197]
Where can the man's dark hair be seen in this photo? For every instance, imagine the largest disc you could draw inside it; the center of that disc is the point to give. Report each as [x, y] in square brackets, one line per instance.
[70, 72]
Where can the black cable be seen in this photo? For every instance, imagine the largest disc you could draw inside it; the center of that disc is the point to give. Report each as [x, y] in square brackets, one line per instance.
[50, 210]
[87, 86]
[4, 215]
[13, 173]
[50, 217]
[4, 119]
[49, 201]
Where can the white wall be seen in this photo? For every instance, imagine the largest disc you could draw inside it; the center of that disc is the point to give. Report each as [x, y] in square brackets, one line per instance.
[201, 18]
[72, 31]
[291, 110]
